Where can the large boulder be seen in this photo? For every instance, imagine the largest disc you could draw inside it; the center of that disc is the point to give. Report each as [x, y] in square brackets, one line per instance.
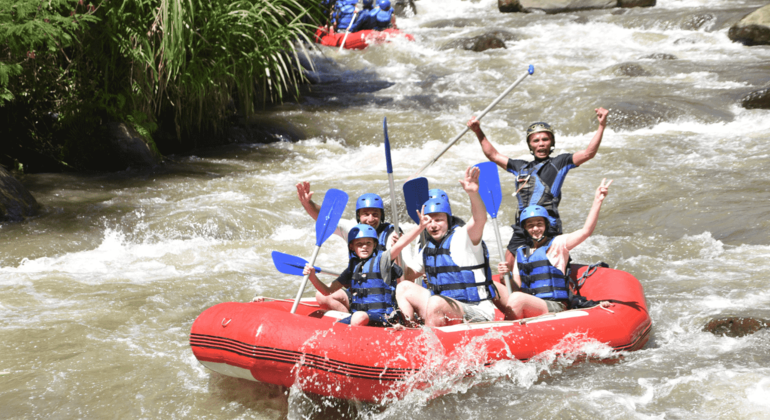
[757, 99]
[735, 326]
[483, 42]
[753, 29]
[561, 6]
[636, 3]
[111, 146]
[16, 203]
[553, 6]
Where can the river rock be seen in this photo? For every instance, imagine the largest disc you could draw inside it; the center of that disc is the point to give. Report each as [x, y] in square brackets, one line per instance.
[553, 6]
[16, 203]
[757, 99]
[131, 150]
[735, 326]
[636, 3]
[629, 70]
[753, 29]
[404, 8]
[483, 42]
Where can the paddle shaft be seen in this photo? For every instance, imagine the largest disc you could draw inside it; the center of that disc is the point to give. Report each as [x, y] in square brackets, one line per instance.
[502, 253]
[304, 281]
[483, 113]
[347, 31]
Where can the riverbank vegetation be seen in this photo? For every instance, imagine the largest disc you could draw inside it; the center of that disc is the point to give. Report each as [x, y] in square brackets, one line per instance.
[170, 69]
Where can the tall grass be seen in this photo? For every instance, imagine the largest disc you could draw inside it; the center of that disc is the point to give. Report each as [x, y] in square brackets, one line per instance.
[141, 61]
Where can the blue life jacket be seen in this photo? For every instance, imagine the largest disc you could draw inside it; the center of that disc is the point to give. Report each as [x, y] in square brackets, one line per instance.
[538, 191]
[444, 277]
[364, 21]
[343, 13]
[382, 238]
[369, 290]
[538, 276]
[382, 19]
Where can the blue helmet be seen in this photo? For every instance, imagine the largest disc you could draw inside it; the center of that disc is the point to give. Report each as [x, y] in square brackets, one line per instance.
[384, 4]
[368, 4]
[362, 231]
[535, 211]
[437, 193]
[438, 205]
[369, 201]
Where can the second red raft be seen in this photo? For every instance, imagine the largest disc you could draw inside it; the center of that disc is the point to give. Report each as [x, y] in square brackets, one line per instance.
[359, 40]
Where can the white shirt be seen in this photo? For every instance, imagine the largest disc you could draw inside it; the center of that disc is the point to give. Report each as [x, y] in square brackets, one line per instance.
[464, 254]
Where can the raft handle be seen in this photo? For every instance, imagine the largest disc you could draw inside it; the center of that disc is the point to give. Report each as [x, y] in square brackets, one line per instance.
[224, 324]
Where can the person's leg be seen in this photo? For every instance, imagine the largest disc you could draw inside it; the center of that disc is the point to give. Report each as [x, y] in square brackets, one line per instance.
[337, 301]
[411, 298]
[521, 305]
[360, 319]
[443, 311]
[502, 296]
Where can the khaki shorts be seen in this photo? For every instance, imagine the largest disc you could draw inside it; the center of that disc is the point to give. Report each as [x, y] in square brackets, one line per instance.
[555, 306]
[478, 312]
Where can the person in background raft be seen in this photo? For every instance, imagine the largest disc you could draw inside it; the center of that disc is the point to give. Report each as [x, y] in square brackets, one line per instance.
[369, 211]
[539, 182]
[371, 278]
[456, 266]
[384, 17]
[540, 274]
[344, 11]
[366, 17]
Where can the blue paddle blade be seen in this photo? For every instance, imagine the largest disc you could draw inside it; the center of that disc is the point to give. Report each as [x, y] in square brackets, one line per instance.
[489, 187]
[290, 264]
[415, 195]
[387, 145]
[331, 211]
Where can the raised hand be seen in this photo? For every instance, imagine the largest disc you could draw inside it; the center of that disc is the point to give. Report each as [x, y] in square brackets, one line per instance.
[471, 181]
[303, 193]
[474, 125]
[309, 270]
[601, 115]
[602, 190]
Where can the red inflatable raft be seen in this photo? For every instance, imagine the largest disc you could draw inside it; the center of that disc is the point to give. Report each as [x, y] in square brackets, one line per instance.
[264, 342]
[358, 40]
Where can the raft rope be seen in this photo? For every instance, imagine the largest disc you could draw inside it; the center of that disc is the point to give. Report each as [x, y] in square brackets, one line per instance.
[589, 271]
[265, 298]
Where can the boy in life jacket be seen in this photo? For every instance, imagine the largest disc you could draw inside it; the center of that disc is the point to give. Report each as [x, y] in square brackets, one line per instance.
[370, 211]
[540, 270]
[539, 182]
[371, 277]
[455, 262]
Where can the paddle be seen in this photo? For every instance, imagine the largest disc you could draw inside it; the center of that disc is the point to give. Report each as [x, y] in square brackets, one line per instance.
[290, 264]
[415, 195]
[492, 195]
[347, 31]
[331, 211]
[389, 164]
[530, 71]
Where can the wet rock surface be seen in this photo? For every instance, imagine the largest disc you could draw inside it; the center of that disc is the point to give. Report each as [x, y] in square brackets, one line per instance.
[16, 203]
[562, 6]
[753, 29]
[483, 42]
[735, 326]
[757, 99]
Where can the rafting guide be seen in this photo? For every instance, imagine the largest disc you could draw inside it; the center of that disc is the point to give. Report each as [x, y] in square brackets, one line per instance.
[538, 182]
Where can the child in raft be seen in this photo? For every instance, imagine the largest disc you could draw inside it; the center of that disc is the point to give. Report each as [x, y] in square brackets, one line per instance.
[371, 276]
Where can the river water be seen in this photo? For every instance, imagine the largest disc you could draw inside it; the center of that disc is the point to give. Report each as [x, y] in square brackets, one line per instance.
[97, 295]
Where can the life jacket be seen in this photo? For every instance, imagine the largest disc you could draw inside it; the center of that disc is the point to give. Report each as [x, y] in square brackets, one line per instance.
[535, 191]
[369, 290]
[444, 277]
[343, 13]
[538, 276]
[382, 237]
[382, 19]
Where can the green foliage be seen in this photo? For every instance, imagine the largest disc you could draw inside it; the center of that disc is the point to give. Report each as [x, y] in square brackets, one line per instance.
[139, 60]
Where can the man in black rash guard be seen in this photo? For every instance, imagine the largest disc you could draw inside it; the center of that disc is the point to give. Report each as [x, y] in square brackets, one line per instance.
[539, 182]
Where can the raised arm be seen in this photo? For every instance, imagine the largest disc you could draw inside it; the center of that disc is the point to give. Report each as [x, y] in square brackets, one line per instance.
[475, 226]
[305, 197]
[325, 290]
[584, 156]
[489, 151]
[576, 238]
[410, 236]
